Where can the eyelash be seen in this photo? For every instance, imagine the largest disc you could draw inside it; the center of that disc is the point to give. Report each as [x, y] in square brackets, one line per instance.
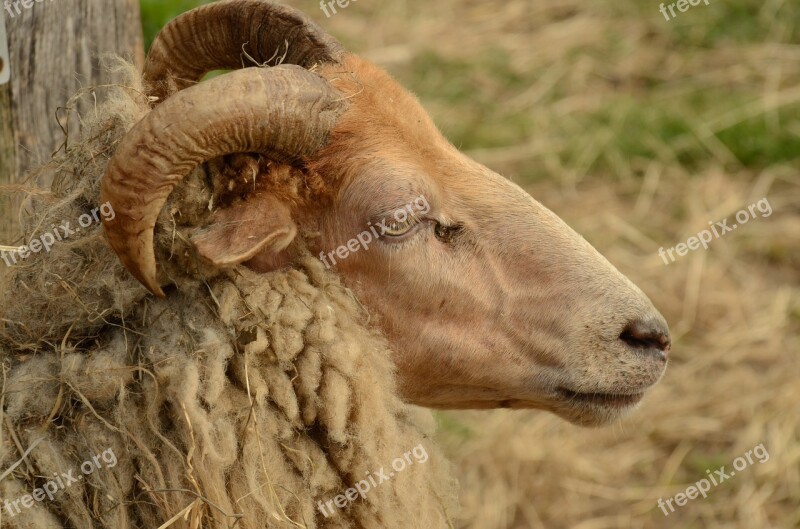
[398, 229]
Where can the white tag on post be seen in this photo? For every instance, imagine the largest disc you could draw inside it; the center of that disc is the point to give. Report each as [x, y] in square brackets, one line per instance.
[5, 64]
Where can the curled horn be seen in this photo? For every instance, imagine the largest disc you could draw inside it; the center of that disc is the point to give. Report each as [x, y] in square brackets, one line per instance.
[227, 35]
[285, 113]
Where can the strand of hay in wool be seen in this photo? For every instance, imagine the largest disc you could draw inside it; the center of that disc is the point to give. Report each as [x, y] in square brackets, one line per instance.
[268, 484]
[21, 459]
[181, 514]
[205, 500]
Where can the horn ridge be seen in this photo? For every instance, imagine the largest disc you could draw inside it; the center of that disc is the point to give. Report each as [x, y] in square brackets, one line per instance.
[216, 37]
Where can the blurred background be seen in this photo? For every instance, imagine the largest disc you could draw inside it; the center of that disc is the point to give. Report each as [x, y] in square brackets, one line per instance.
[638, 131]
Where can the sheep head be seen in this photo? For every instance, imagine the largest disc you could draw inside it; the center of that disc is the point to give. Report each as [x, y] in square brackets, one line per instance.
[488, 298]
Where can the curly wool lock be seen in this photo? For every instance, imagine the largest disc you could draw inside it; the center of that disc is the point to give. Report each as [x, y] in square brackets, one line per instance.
[240, 399]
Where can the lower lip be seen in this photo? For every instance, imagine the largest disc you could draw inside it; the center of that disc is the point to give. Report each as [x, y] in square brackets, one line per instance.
[606, 400]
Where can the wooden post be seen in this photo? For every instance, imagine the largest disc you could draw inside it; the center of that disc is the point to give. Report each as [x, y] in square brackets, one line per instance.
[54, 51]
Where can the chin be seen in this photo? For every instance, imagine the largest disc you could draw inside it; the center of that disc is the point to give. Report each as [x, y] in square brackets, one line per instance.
[582, 409]
[594, 414]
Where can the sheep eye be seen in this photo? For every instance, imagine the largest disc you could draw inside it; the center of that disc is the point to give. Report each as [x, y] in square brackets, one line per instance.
[398, 229]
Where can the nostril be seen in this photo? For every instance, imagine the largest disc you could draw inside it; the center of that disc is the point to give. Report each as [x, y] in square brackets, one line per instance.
[647, 336]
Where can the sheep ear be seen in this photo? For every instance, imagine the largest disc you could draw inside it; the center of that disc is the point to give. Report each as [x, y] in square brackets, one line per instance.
[255, 231]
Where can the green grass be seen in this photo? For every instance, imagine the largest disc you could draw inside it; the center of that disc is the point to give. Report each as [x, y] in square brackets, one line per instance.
[757, 145]
[697, 464]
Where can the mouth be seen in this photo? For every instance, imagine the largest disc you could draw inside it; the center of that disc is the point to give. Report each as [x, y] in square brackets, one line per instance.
[604, 400]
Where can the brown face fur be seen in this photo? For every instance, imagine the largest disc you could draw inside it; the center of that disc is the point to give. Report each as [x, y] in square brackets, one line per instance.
[490, 300]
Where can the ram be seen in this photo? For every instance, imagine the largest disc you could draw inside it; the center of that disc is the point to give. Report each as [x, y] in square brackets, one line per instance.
[270, 364]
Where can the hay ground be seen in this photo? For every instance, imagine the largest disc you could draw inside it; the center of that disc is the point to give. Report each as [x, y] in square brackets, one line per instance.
[638, 132]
